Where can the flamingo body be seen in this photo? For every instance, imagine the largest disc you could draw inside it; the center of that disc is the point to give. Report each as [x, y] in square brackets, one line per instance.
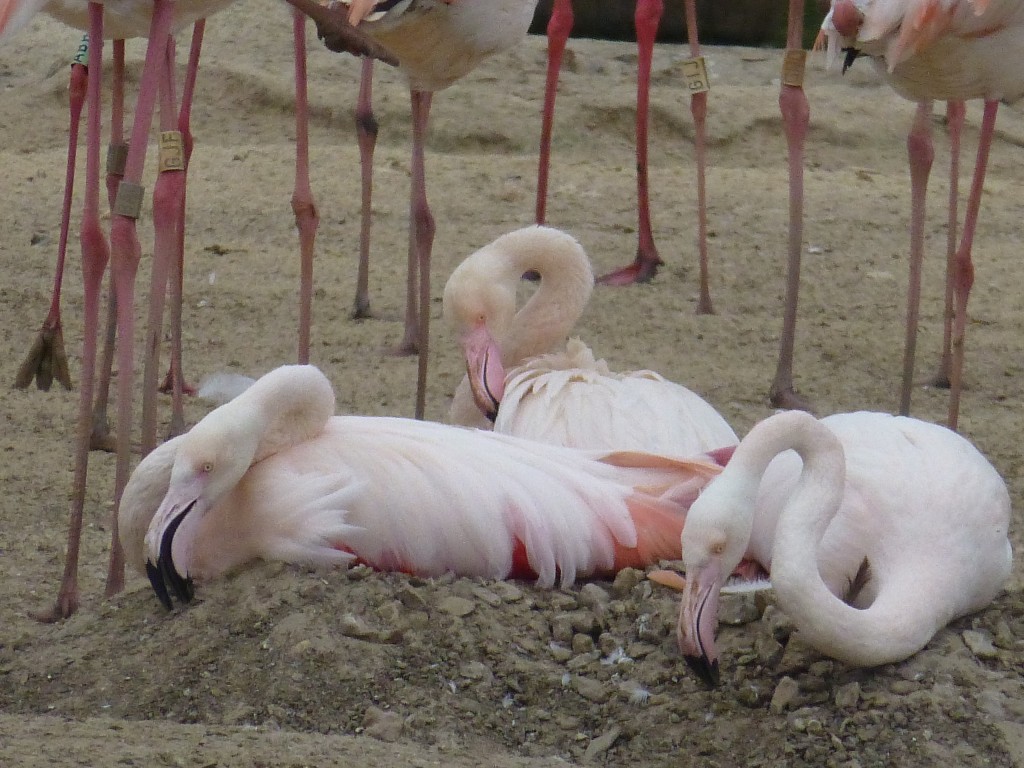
[123, 19]
[909, 512]
[395, 493]
[556, 390]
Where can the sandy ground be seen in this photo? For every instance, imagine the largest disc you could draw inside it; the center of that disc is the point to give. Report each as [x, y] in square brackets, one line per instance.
[280, 667]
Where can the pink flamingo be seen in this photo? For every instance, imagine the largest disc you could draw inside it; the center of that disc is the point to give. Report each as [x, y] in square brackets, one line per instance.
[877, 531]
[274, 474]
[437, 42]
[124, 251]
[555, 390]
[646, 18]
[952, 50]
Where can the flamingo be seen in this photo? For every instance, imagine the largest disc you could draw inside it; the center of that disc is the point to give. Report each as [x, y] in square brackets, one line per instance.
[952, 50]
[437, 42]
[124, 252]
[556, 391]
[646, 19]
[274, 474]
[904, 519]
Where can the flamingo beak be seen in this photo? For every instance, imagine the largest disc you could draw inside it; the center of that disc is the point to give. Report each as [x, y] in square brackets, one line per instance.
[698, 620]
[164, 576]
[484, 369]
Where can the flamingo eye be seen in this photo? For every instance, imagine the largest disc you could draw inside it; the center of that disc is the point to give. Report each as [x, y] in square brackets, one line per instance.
[208, 466]
[717, 549]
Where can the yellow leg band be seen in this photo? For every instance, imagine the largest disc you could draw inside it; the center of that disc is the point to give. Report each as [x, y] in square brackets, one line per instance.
[172, 152]
[695, 74]
[793, 65]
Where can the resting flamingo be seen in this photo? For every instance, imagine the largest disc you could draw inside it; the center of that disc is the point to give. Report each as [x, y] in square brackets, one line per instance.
[274, 474]
[952, 50]
[158, 16]
[553, 390]
[907, 519]
[646, 19]
[437, 42]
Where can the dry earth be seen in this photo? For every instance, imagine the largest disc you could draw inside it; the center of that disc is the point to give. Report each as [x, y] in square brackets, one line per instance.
[280, 667]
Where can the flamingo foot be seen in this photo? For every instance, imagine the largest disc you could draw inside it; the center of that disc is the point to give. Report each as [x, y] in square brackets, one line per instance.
[405, 349]
[101, 438]
[361, 310]
[46, 360]
[65, 605]
[789, 400]
[167, 387]
[642, 270]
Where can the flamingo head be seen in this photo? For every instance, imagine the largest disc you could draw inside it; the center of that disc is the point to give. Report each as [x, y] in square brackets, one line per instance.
[211, 460]
[485, 370]
[714, 539]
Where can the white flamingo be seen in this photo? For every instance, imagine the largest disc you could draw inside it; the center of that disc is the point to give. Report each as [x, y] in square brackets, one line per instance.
[950, 50]
[904, 519]
[554, 390]
[274, 474]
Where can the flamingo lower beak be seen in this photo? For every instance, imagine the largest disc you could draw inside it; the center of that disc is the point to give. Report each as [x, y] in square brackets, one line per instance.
[698, 620]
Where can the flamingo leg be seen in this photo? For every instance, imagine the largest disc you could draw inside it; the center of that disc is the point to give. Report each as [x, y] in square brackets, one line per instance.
[699, 110]
[307, 220]
[963, 268]
[422, 241]
[559, 28]
[921, 153]
[94, 261]
[174, 381]
[125, 254]
[955, 113]
[645, 266]
[117, 151]
[366, 134]
[795, 119]
[46, 358]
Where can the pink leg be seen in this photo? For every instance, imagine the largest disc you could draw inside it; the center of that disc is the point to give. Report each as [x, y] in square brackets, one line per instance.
[795, 118]
[645, 266]
[699, 110]
[46, 358]
[124, 261]
[421, 239]
[963, 268]
[174, 381]
[94, 262]
[366, 133]
[101, 438]
[168, 214]
[559, 27]
[921, 153]
[422, 222]
[306, 218]
[955, 112]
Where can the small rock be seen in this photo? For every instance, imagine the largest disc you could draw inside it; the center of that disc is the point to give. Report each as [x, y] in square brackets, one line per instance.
[354, 626]
[980, 644]
[589, 689]
[487, 596]
[768, 650]
[593, 596]
[411, 598]
[848, 696]
[383, 725]
[785, 694]
[476, 670]
[625, 580]
[737, 609]
[562, 601]
[748, 695]
[582, 643]
[601, 744]
[508, 592]
[1003, 636]
[457, 606]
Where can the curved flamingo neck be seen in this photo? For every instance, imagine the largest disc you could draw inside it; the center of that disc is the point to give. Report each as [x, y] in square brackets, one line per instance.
[549, 315]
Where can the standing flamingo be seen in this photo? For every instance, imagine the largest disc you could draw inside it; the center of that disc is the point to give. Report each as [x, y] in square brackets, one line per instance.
[125, 251]
[275, 474]
[646, 19]
[437, 42]
[903, 519]
[952, 50]
[556, 391]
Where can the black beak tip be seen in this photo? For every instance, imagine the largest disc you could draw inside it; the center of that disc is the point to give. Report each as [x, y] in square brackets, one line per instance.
[706, 671]
[156, 579]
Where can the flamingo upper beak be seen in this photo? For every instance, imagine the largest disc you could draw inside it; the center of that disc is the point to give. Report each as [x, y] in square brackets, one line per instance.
[161, 546]
[698, 620]
[485, 370]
